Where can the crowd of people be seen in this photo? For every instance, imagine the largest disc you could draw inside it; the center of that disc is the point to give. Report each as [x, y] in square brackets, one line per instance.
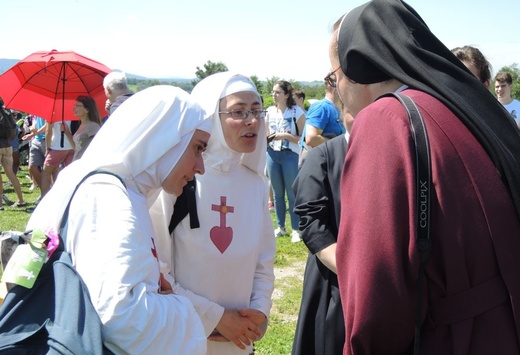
[345, 172]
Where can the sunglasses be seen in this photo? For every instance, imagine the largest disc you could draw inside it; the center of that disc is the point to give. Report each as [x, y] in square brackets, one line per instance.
[331, 78]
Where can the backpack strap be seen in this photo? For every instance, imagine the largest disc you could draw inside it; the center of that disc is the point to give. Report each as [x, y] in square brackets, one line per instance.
[184, 205]
[65, 218]
[56, 315]
[423, 178]
[294, 120]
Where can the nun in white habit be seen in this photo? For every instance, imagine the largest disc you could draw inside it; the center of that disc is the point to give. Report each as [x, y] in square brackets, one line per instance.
[225, 267]
[153, 141]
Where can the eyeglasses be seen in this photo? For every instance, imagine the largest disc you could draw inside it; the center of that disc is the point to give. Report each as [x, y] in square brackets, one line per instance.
[331, 78]
[242, 114]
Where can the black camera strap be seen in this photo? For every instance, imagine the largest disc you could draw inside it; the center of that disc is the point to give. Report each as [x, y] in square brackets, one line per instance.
[423, 185]
[294, 120]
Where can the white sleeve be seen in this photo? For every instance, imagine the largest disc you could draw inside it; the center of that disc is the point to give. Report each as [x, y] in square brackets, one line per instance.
[263, 284]
[209, 312]
[161, 212]
[300, 113]
[111, 241]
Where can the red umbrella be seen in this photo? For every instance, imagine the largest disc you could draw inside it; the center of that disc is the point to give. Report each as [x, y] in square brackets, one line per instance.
[46, 84]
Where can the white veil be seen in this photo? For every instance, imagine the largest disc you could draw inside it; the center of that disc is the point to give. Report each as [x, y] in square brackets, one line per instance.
[208, 93]
[141, 142]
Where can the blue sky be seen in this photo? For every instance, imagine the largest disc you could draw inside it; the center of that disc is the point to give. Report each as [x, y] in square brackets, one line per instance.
[286, 39]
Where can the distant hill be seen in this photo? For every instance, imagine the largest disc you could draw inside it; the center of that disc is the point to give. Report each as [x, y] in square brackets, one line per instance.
[6, 64]
[175, 80]
[132, 76]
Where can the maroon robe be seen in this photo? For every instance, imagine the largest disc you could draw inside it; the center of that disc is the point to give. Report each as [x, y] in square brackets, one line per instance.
[472, 285]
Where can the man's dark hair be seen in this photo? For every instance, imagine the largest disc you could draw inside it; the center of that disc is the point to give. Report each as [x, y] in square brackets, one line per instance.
[504, 77]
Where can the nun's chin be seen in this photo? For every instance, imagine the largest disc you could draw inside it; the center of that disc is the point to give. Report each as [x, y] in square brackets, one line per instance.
[173, 188]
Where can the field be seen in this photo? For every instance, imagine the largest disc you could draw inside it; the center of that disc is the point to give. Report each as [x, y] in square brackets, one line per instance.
[289, 266]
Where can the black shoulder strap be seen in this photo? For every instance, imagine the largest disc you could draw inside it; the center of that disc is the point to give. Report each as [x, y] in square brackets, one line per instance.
[185, 204]
[423, 186]
[65, 218]
[295, 124]
[74, 126]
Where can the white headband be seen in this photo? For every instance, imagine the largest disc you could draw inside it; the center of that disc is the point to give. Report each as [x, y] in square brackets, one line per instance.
[238, 84]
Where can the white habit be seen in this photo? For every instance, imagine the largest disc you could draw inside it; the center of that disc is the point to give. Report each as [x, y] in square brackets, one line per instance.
[110, 235]
[228, 261]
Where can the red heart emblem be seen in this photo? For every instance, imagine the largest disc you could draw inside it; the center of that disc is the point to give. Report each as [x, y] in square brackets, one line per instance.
[221, 237]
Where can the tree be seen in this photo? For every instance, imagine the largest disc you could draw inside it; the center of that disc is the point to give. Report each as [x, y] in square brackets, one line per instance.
[265, 91]
[209, 68]
[257, 82]
[316, 91]
[143, 84]
[269, 83]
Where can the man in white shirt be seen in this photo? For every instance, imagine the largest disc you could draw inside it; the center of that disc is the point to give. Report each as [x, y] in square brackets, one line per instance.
[503, 85]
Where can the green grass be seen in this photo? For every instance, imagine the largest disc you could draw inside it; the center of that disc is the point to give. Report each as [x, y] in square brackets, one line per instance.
[289, 261]
[132, 88]
[287, 253]
[289, 256]
[16, 218]
[278, 339]
[282, 323]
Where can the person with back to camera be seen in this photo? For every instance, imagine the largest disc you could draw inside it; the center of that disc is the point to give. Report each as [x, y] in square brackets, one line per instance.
[109, 233]
[86, 110]
[468, 301]
[116, 90]
[231, 289]
[285, 122]
[503, 86]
